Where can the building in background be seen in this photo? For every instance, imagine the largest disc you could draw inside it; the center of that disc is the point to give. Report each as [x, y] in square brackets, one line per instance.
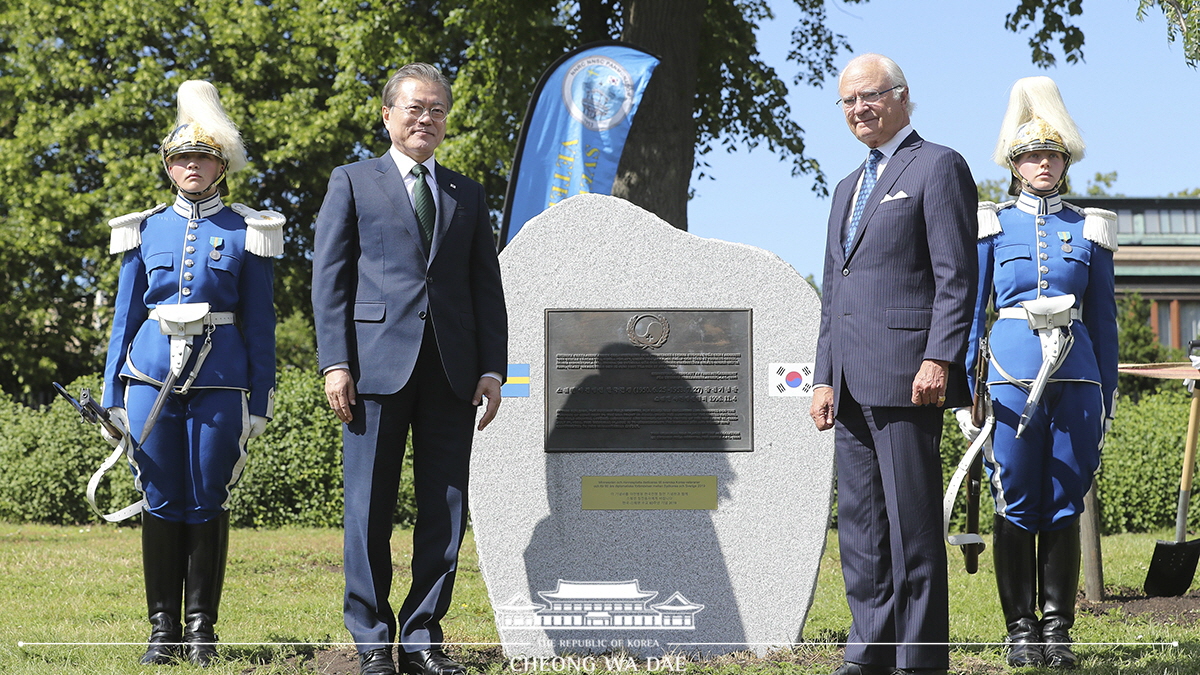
[1159, 258]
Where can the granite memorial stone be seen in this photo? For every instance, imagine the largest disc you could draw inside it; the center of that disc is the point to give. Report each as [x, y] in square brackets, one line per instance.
[653, 484]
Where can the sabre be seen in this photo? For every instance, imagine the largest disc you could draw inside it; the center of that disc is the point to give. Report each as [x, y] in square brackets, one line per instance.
[93, 413]
[90, 411]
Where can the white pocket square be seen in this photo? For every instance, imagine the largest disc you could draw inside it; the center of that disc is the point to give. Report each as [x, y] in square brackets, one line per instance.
[888, 198]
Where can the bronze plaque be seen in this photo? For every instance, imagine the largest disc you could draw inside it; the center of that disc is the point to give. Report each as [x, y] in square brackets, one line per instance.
[648, 380]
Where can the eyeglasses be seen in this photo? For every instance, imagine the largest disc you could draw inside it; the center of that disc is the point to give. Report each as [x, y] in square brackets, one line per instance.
[867, 97]
[436, 113]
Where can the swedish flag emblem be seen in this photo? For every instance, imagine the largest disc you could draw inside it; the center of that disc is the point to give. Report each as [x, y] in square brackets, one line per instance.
[517, 385]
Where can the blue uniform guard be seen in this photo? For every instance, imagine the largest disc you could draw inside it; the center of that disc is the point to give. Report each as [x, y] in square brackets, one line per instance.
[1044, 247]
[1047, 268]
[190, 370]
[194, 252]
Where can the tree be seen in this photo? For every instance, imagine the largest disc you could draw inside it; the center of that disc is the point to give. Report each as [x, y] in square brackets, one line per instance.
[87, 91]
[1183, 22]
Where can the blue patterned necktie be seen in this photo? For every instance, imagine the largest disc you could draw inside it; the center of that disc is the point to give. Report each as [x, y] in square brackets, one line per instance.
[864, 193]
[423, 203]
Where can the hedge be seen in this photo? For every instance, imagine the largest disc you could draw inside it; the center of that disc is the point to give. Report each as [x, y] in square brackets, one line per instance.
[293, 475]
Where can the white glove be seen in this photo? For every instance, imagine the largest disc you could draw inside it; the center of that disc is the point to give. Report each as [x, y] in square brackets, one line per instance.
[968, 428]
[1104, 432]
[258, 424]
[120, 420]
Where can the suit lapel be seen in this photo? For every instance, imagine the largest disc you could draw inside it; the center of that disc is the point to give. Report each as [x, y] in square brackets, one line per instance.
[447, 204]
[842, 198]
[391, 183]
[883, 185]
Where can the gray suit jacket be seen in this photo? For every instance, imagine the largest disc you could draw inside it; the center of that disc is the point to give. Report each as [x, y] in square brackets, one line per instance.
[374, 287]
[905, 291]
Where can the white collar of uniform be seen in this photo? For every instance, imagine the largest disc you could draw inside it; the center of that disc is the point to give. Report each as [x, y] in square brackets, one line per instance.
[1039, 206]
[406, 163]
[888, 149]
[196, 210]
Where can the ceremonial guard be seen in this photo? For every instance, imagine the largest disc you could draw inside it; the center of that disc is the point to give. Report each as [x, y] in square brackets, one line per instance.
[191, 368]
[1047, 268]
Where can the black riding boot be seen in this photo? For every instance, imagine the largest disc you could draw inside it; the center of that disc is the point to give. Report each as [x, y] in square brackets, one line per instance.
[207, 544]
[1015, 554]
[164, 564]
[1058, 562]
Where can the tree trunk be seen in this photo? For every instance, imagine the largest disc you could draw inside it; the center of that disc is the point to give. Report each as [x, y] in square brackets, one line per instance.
[594, 16]
[656, 165]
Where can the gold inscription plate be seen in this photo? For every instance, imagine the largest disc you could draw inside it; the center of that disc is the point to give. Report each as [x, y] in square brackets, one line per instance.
[654, 493]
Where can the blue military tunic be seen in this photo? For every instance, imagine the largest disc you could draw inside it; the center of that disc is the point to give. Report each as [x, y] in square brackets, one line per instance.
[194, 252]
[1044, 247]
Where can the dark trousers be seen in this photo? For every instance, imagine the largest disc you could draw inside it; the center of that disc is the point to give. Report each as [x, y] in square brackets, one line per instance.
[890, 536]
[442, 427]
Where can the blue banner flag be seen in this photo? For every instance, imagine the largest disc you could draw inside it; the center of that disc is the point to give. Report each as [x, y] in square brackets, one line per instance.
[575, 129]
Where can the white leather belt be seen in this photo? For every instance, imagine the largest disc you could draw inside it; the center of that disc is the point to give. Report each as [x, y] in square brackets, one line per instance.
[1037, 321]
[210, 319]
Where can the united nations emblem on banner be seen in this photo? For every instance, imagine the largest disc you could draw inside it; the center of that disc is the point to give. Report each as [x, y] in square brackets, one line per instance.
[598, 92]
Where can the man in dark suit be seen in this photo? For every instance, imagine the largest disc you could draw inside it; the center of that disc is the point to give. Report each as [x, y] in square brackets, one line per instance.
[412, 333]
[897, 295]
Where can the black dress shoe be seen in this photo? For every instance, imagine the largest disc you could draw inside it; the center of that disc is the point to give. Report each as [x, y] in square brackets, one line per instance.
[376, 662]
[863, 669]
[431, 661]
[919, 671]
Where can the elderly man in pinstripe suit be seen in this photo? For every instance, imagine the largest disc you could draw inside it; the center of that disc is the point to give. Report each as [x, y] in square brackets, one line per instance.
[898, 290]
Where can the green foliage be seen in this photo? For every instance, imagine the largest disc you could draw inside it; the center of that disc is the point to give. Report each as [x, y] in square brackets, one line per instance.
[296, 343]
[1101, 185]
[48, 456]
[1194, 192]
[1139, 344]
[294, 474]
[1142, 461]
[1183, 22]
[292, 477]
[89, 91]
[993, 190]
[1055, 23]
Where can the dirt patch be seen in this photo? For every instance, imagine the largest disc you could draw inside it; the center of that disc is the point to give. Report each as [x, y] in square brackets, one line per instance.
[1175, 611]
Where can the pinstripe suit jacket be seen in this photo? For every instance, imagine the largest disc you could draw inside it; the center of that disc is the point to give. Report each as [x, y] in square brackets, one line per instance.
[905, 291]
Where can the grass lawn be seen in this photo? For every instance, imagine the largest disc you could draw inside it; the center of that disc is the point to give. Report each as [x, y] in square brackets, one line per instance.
[71, 601]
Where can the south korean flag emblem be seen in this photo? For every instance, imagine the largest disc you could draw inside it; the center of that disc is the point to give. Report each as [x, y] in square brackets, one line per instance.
[791, 379]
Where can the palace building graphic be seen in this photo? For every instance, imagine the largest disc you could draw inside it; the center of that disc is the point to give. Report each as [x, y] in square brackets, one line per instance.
[599, 605]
